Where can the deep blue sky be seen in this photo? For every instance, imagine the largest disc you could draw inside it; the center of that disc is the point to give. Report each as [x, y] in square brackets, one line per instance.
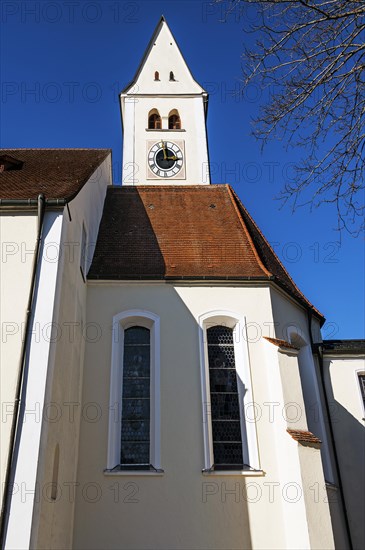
[62, 66]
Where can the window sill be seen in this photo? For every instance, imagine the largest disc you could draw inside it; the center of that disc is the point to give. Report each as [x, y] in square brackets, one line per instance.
[246, 473]
[137, 472]
[164, 130]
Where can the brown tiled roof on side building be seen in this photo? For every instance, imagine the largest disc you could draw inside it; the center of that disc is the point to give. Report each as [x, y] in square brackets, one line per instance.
[183, 232]
[57, 173]
[343, 347]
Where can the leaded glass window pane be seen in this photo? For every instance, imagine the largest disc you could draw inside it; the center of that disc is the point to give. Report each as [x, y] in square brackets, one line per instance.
[224, 397]
[135, 431]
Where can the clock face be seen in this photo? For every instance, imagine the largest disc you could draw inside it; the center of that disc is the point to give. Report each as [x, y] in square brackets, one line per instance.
[165, 159]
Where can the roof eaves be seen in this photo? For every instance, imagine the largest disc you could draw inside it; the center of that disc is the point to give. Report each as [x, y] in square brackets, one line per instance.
[121, 276]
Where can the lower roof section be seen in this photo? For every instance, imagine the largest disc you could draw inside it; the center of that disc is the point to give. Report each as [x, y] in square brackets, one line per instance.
[56, 173]
[343, 347]
[189, 232]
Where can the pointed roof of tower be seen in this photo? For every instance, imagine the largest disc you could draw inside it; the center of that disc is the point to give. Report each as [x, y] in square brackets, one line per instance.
[163, 55]
[185, 233]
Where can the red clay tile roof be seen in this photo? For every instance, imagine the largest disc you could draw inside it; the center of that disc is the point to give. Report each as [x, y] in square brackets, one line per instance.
[280, 343]
[304, 437]
[57, 173]
[190, 232]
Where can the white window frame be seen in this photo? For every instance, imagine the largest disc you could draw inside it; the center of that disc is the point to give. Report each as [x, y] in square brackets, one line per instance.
[83, 252]
[248, 428]
[358, 373]
[122, 321]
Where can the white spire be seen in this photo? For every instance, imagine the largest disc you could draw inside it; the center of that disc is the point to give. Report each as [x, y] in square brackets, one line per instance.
[163, 56]
[164, 114]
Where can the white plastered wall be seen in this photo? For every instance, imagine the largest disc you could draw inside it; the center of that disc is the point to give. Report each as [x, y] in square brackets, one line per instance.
[17, 241]
[53, 375]
[53, 519]
[309, 473]
[24, 488]
[184, 508]
[137, 135]
[291, 324]
[347, 417]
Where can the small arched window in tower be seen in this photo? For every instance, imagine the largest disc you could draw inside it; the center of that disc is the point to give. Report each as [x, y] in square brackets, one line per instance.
[154, 120]
[174, 120]
[172, 77]
[157, 75]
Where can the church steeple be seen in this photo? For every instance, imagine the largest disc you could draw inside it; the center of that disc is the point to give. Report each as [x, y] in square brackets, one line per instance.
[163, 112]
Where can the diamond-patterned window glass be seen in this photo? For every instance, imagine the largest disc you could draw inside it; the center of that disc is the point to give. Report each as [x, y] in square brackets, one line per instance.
[135, 434]
[362, 386]
[224, 397]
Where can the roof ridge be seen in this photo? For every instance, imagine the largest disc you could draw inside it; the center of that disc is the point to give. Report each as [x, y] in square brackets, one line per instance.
[246, 231]
[274, 254]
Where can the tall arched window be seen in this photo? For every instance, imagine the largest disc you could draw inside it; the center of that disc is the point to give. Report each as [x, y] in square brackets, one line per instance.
[174, 120]
[224, 399]
[154, 120]
[172, 77]
[134, 412]
[230, 441]
[157, 75]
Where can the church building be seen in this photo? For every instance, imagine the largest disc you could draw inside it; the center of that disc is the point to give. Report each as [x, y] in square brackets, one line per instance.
[164, 381]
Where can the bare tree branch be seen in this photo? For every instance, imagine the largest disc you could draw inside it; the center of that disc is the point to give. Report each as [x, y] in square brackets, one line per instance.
[310, 56]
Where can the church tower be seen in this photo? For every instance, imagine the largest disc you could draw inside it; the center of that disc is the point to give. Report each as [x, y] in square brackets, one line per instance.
[164, 119]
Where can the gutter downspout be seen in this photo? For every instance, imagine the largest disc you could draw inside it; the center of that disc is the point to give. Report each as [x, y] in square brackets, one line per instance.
[41, 204]
[319, 348]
